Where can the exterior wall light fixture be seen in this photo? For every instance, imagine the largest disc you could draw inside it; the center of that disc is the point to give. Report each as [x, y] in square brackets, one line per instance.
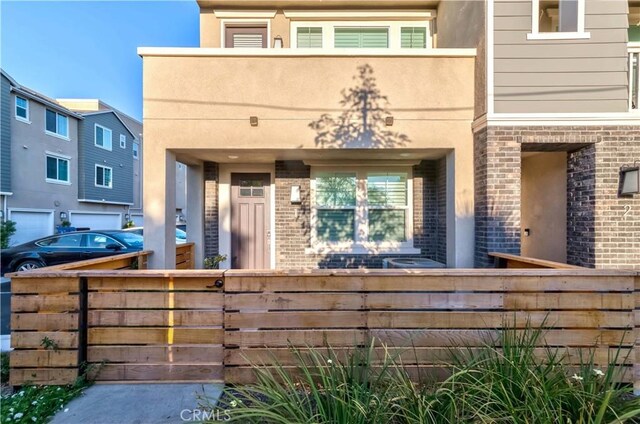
[630, 179]
[63, 216]
[388, 121]
[127, 217]
[295, 194]
[277, 42]
[253, 120]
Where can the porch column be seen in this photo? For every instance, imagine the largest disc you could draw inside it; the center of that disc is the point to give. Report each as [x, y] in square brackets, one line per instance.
[160, 206]
[195, 211]
[460, 209]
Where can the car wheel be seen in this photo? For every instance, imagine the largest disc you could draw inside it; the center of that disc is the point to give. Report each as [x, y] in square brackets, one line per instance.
[28, 266]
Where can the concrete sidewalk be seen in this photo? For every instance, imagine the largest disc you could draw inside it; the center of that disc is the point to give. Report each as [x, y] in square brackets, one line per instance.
[140, 404]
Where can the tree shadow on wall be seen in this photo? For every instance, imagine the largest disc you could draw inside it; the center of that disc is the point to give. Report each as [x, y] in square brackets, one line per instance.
[362, 124]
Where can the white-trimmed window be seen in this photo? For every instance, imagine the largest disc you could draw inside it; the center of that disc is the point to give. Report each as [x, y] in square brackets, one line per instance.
[362, 34]
[56, 123]
[104, 176]
[57, 169]
[123, 141]
[136, 150]
[362, 209]
[558, 19]
[22, 109]
[102, 137]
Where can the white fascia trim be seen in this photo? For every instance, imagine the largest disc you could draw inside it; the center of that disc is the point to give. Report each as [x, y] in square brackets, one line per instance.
[559, 36]
[360, 14]
[106, 202]
[218, 52]
[556, 119]
[244, 14]
[6, 193]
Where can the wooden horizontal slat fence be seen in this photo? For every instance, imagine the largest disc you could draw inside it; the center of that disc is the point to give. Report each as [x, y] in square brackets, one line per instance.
[420, 316]
[187, 325]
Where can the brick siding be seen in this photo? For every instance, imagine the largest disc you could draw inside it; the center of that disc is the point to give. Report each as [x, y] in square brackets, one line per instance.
[603, 228]
[211, 209]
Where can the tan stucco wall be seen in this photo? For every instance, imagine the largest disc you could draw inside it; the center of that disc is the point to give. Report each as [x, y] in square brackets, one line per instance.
[431, 99]
[544, 206]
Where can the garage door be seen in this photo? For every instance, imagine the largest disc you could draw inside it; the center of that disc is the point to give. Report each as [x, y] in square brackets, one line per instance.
[30, 225]
[96, 221]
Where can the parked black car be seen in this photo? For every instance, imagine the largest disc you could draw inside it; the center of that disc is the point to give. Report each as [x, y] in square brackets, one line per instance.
[68, 247]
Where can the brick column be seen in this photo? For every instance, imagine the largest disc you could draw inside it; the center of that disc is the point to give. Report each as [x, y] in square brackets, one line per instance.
[211, 209]
[581, 206]
[497, 194]
[293, 221]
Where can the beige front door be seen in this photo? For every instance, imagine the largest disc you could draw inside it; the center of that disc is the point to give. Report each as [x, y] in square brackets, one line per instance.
[250, 232]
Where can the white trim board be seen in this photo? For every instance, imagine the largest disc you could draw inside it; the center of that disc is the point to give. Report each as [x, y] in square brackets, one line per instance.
[224, 207]
[556, 119]
[222, 52]
[360, 14]
[244, 14]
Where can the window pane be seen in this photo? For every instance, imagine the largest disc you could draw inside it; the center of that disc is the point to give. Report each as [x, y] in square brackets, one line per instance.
[67, 241]
[386, 225]
[63, 170]
[361, 38]
[414, 38]
[51, 121]
[99, 175]
[568, 16]
[99, 136]
[21, 107]
[336, 225]
[336, 189]
[135, 150]
[62, 125]
[107, 177]
[52, 168]
[106, 142]
[309, 37]
[387, 189]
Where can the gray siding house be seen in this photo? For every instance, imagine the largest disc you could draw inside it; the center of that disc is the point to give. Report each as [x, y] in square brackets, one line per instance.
[105, 159]
[52, 169]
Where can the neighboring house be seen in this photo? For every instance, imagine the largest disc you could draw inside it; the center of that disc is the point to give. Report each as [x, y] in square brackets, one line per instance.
[338, 134]
[57, 164]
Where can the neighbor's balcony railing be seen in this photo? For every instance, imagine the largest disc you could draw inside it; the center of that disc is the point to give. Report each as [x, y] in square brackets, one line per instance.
[634, 77]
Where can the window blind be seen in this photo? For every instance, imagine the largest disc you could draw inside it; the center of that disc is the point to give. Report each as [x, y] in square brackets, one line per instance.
[336, 199]
[309, 37]
[247, 41]
[384, 189]
[413, 37]
[361, 38]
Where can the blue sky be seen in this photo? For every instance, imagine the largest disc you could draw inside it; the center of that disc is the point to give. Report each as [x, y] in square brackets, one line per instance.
[69, 49]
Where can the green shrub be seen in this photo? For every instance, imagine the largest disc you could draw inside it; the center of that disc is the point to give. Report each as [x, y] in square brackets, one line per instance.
[506, 381]
[7, 229]
[4, 367]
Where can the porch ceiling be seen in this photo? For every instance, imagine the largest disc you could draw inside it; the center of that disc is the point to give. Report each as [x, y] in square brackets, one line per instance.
[193, 156]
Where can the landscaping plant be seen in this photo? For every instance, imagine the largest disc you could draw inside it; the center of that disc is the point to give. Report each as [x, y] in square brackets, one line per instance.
[7, 229]
[508, 380]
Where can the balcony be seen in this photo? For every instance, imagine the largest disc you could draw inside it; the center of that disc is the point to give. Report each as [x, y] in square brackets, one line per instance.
[634, 77]
[200, 99]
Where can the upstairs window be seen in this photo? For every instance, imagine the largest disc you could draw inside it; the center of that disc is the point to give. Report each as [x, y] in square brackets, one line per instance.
[56, 123]
[413, 37]
[57, 169]
[361, 38]
[391, 34]
[558, 19]
[123, 141]
[136, 151]
[22, 109]
[309, 37]
[103, 176]
[102, 137]
[247, 36]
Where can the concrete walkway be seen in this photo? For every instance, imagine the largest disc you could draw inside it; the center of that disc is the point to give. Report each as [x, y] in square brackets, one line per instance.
[141, 404]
